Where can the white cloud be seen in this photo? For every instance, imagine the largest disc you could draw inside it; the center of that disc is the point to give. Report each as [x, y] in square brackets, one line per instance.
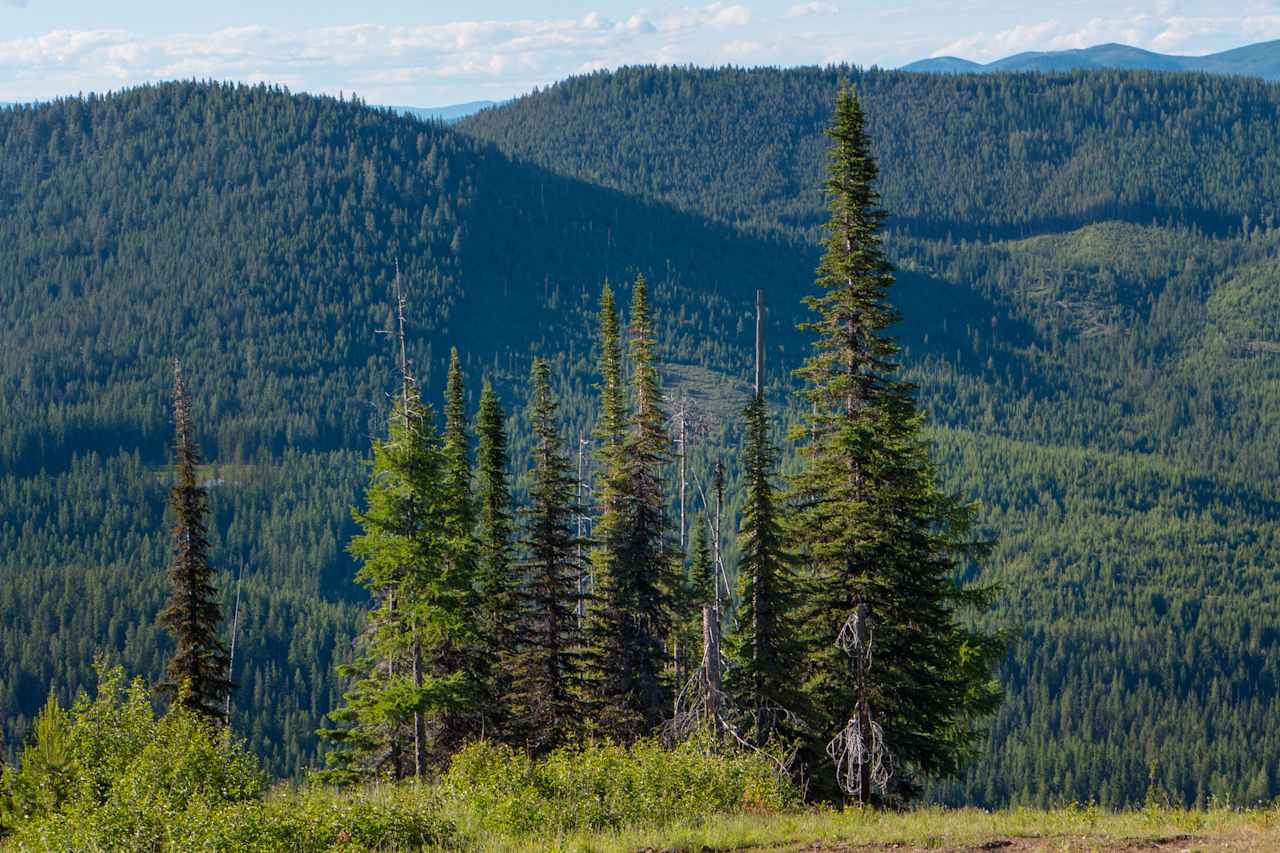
[996, 45]
[742, 50]
[1179, 31]
[1159, 32]
[815, 7]
[382, 63]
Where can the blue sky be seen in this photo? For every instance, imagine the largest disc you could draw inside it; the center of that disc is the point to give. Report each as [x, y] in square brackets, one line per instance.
[435, 52]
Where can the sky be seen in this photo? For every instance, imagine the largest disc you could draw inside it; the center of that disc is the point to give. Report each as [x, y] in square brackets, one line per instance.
[437, 52]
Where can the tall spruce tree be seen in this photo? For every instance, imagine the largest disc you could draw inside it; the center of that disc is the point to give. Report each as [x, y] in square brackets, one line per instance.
[762, 644]
[896, 682]
[602, 625]
[544, 691]
[635, 563]
[611, 426]
[197, 674]
[463, 649]
[497, 577]
[457, 449]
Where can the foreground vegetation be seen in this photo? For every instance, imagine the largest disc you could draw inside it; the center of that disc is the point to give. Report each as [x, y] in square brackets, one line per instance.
[111, 774]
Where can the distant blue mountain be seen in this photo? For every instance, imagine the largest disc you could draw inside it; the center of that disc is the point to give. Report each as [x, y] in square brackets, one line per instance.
[1254, 60]
[448, 114]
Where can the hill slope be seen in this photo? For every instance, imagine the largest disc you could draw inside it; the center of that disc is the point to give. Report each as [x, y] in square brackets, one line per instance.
[1253, 60]
[254, 235]
[1106, 390]
[1110, 400]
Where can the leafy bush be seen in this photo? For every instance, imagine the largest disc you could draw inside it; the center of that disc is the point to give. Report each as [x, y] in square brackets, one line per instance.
[601, 786]
[110, 774]
[110, 765]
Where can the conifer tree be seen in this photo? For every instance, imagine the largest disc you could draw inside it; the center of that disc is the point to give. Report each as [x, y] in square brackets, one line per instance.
[762, 645]
[463, 650]
[544, 668]
[497, 578]
[395, 700]
[612, 424]
[457, 448]
[701, 577]
[407, 685]
[602, 627]
[197, 672]
[635, 566]
[895, 681]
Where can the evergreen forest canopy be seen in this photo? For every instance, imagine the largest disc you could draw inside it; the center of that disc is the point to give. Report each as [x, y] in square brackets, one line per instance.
[1098, 362]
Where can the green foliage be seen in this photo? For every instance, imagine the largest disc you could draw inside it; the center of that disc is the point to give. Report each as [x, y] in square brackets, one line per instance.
[600, 786]
[405, 684]
[196, 674]
[1086, 315]
[543, 669]
[313, 199]
[1106, 391]
[969, 155]
[109, 773]
[497, 575]
[878, 544]
[41, 784]
[763, 645]
[635, 580]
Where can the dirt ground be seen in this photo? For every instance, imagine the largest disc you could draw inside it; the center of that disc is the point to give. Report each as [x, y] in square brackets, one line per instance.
[1070, 844]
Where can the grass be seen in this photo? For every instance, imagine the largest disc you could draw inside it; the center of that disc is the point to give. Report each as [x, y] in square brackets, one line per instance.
[1067, 829]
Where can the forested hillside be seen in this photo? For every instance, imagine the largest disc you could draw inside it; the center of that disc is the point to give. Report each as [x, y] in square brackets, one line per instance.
[1088, 279]
[965, 156]
[1110, 397]
[254, 234]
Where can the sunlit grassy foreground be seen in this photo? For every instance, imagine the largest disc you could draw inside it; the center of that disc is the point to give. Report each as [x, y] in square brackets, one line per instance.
[937, 829]
[112, 775]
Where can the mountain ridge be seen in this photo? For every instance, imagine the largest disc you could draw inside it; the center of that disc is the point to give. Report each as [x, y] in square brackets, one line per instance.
[1261, 59]
[449, 113]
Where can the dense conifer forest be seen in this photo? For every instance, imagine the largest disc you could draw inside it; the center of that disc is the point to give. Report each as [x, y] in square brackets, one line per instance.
[1090, 325]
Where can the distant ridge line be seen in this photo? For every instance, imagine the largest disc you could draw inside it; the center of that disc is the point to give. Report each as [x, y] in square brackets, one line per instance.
[1254, 60]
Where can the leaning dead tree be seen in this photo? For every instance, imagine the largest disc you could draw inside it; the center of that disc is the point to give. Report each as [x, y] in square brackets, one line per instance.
[863, 763]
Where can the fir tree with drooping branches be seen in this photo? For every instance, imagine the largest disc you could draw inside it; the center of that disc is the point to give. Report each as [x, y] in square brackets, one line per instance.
[543, 671]
[896, 683]
[197, 674]
[394, 698]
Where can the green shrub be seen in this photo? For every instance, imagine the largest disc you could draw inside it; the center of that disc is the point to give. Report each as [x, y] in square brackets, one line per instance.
[602, 787]
[112, 775]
